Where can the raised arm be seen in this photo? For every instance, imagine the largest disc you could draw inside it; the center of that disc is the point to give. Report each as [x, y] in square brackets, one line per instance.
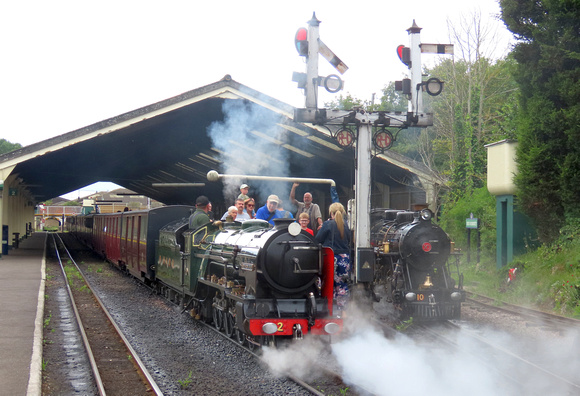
[293, 193]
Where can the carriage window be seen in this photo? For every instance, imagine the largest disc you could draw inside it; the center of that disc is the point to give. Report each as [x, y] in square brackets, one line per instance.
[143, 235]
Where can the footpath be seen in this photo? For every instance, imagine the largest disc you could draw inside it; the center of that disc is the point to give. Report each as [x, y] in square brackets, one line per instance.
[22, 277]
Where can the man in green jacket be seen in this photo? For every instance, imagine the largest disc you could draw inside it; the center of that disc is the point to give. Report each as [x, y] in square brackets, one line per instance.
[200, 216]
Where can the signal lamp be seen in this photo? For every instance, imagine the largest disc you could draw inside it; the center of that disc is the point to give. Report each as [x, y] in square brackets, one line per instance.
[383, 140]
[404, 86]
[301, 41]
[404, 54]
[433, 86]
[345, 137]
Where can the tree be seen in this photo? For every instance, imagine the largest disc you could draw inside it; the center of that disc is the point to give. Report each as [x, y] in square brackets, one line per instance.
[548, 130]
[347, 102]
[391, 100]
[477, 107]
[6, 146]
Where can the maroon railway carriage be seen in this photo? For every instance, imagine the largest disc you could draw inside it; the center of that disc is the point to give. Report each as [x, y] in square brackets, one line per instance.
[127, 239]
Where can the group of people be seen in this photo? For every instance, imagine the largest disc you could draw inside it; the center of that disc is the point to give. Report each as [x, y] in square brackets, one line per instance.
[333, 233]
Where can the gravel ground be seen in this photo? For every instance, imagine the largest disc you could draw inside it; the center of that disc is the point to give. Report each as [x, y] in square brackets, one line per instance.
[186, 358]
[183, 356]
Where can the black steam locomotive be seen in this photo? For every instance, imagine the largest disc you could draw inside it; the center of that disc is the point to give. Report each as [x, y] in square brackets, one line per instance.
[255, 282]
[413, 266]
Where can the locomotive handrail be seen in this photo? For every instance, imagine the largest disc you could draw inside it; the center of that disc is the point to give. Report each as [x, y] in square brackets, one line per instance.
[213, 175]
[221, 259]
[298, 269]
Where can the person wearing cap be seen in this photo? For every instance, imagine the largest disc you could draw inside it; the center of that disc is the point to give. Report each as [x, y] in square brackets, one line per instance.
[244, 188]
[200, 216]
[270, 211]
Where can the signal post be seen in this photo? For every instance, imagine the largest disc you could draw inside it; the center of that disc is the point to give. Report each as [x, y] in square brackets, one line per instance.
[359, 127]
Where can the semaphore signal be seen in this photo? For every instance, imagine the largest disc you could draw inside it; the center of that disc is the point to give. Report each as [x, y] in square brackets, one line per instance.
[360, 128]
[308, 44]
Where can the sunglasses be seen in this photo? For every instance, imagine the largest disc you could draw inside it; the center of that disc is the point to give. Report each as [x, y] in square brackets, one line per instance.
[250, 206]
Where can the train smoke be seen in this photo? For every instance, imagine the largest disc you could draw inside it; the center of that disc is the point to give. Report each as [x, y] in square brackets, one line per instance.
[300, 359]
[383, 366]
[372, 364]
[248, 141]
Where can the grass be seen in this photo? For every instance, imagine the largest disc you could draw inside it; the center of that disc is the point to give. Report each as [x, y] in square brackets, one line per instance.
[403, 326]
[72, 274]
[547, 278]
[186, 382]
[85, 288]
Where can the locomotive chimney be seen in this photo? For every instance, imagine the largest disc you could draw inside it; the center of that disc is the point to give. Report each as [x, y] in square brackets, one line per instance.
[282, 223]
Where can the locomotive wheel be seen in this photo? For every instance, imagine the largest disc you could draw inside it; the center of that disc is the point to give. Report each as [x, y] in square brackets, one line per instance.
[251, 346]
[240, 337]
[260, 340]
[229, 324]
[218, 318]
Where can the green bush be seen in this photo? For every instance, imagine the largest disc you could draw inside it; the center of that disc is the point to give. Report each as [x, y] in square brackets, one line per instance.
[482, 204]
[547, 278]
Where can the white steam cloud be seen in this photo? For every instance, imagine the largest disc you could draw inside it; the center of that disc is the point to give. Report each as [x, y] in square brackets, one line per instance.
[250, 143]
[373, 364]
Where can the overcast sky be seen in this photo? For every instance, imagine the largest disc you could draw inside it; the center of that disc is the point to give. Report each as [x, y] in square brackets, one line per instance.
[68, 64]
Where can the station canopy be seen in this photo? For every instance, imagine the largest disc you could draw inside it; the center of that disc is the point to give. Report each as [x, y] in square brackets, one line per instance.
[165, 150]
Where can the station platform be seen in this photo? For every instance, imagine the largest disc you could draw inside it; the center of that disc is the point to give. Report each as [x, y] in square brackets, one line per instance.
[22, 279]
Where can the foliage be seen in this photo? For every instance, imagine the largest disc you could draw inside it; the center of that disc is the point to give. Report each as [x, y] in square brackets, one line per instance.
[547, 278]
[6, 146]
[71, 203]
[404, 325]
[548, 130]
[478, 107]
[347, 102]
[391, 100]
[185, 383]
[482, 204]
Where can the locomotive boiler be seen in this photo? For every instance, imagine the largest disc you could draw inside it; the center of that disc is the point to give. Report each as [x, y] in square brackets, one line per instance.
[413, 265]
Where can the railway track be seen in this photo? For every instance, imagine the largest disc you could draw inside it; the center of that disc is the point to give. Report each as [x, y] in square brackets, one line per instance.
[534, 316]
[503, 363]
[517, 369]
[116, 368]
[325, 382]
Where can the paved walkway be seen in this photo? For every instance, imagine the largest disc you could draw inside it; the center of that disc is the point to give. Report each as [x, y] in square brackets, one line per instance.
[22, 274]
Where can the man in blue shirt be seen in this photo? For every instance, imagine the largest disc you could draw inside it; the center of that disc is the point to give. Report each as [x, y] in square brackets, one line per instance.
[269, 211]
